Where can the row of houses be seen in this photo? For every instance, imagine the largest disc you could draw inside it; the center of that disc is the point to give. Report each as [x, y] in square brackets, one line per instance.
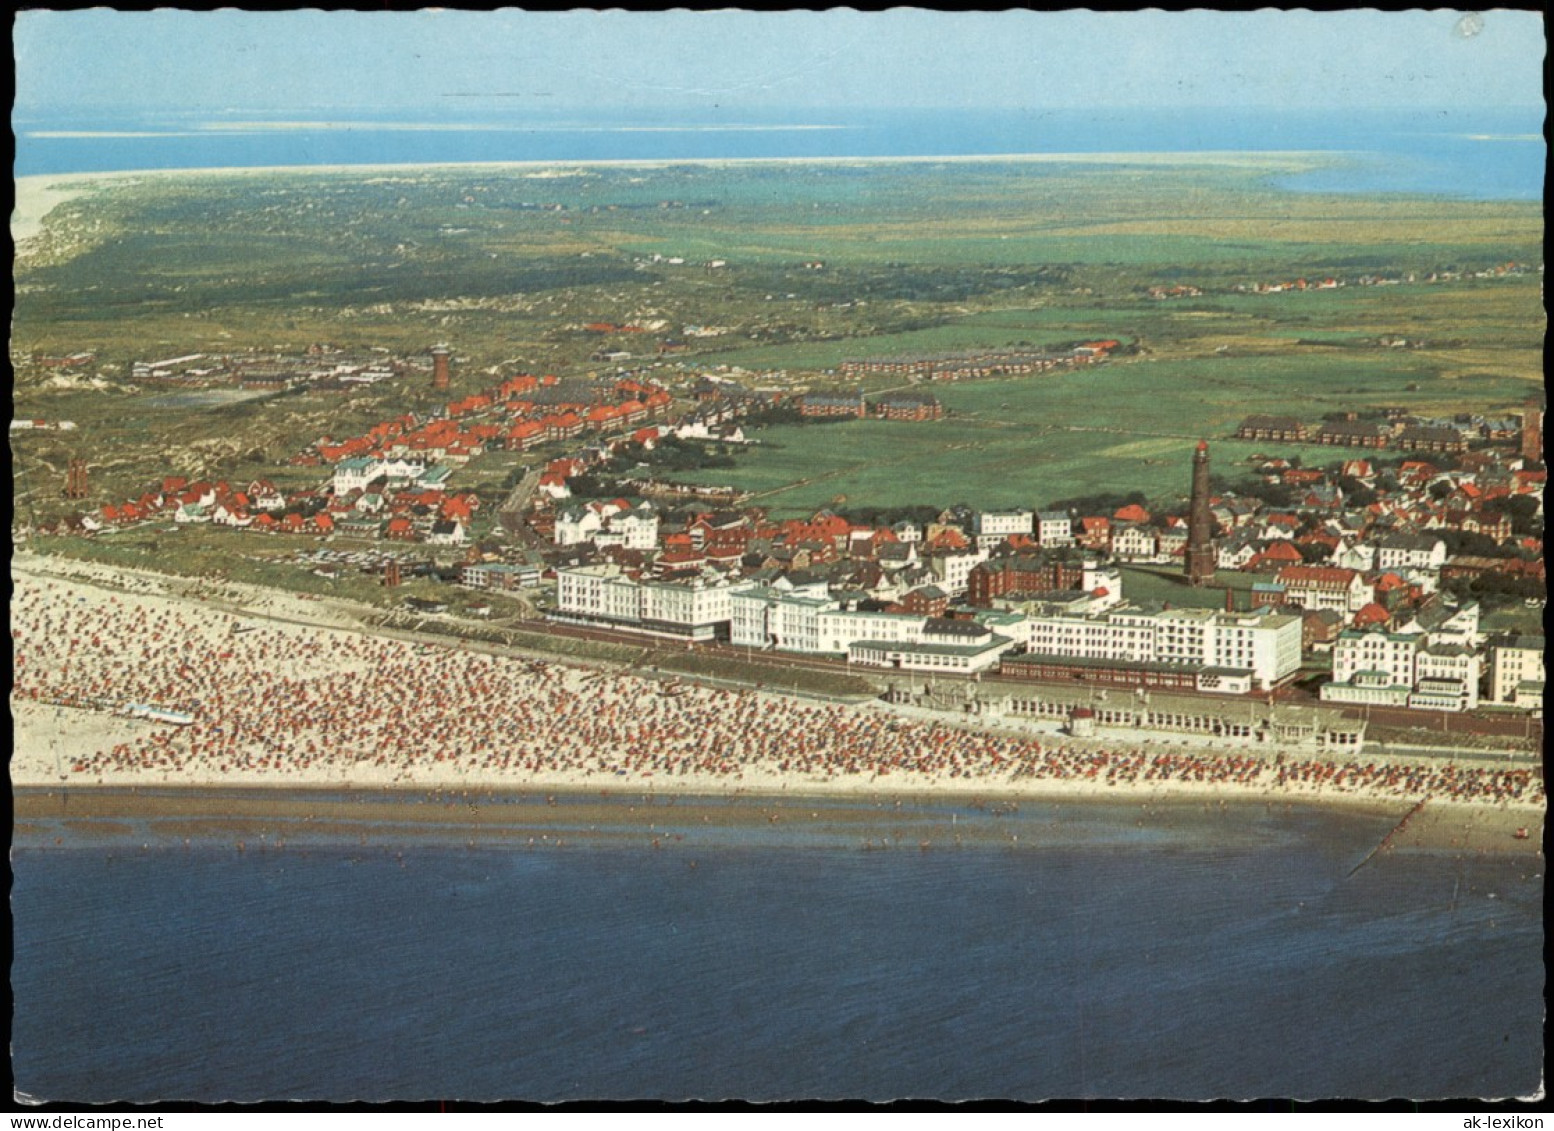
[520, 413]
[1405, 435]
[1372, 279]
[890, 406]
[978, 363]
[320, 366]
[1434, 670]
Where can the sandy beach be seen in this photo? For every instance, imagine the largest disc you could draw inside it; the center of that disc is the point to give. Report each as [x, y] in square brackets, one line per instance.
[288, 694]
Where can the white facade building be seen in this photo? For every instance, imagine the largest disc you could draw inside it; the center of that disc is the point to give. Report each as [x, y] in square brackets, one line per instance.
[1265, 644]
[599, 592]
[1054, 528]
[1399, 552]
[354, 474]
[576, 525]
[992, 527]
[1446, 678]
[1516, 665]
[606, 524]
[764, 616]
[1325, 587]
[952, 568]
[1134, 543]
[840, 629]
[924, 657]
[696, 609]
[1389, 653]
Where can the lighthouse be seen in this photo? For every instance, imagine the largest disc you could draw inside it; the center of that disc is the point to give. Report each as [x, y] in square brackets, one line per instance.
[1200, 523]
[442, 361]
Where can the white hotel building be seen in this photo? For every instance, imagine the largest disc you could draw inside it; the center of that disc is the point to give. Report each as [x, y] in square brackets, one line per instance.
[1516, 670]
[1403, 670]
[1266, 645]
[604, 593]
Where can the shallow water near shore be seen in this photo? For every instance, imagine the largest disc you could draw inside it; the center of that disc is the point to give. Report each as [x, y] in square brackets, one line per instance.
[1112, 950]
[1483, 153]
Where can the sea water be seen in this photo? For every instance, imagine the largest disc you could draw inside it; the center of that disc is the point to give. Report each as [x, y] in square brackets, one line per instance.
[1479, 153]
[1065, 951]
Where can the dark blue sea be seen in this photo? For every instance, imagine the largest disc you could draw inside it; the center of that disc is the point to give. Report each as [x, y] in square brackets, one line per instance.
[1073, 951]
[1485, 154]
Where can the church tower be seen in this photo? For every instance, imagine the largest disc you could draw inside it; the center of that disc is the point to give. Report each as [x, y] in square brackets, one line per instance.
[1200, 523]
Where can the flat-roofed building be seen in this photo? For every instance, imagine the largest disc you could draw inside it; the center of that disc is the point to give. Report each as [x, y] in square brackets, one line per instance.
[1262, 643]
[993, 527]
[974, 655]
[1516, 669]
[696, 608]
[1054, 528]
[1446, 678]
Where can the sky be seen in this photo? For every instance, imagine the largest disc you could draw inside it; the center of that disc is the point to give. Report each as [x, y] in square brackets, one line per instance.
[448, 61]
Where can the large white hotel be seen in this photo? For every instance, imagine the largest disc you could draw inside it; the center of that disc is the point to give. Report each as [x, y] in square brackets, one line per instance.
[1261, 647]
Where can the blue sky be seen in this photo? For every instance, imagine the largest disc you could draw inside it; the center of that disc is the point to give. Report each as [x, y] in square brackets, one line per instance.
[308, 61]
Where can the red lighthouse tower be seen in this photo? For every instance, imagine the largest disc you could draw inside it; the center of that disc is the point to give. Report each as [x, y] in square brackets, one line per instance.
[1200, 523]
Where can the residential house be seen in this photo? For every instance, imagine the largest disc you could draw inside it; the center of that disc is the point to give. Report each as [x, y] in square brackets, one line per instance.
[1325, 587]
[1402, 551]
[1285, 429]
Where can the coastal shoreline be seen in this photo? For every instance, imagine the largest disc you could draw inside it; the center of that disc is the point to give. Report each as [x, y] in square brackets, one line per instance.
[74, 734]
[255, 816]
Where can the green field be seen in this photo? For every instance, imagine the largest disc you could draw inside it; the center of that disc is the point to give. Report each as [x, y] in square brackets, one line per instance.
[1124, 426]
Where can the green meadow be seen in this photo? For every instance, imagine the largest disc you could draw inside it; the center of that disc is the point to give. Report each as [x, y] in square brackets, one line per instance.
[1129, 425]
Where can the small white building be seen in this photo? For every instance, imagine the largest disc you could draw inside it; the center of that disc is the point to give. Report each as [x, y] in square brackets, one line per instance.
[1325, 587]
[1054, 528]
[951, 568]
[576, 525]
[1134, 543]
[1402, 552]
[354, 474]
[991, 528]
[447, 532]
[959, 659]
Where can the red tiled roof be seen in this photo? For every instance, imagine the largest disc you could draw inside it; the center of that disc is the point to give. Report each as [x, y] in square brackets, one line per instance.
[1371, 613]
[1317, 575]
